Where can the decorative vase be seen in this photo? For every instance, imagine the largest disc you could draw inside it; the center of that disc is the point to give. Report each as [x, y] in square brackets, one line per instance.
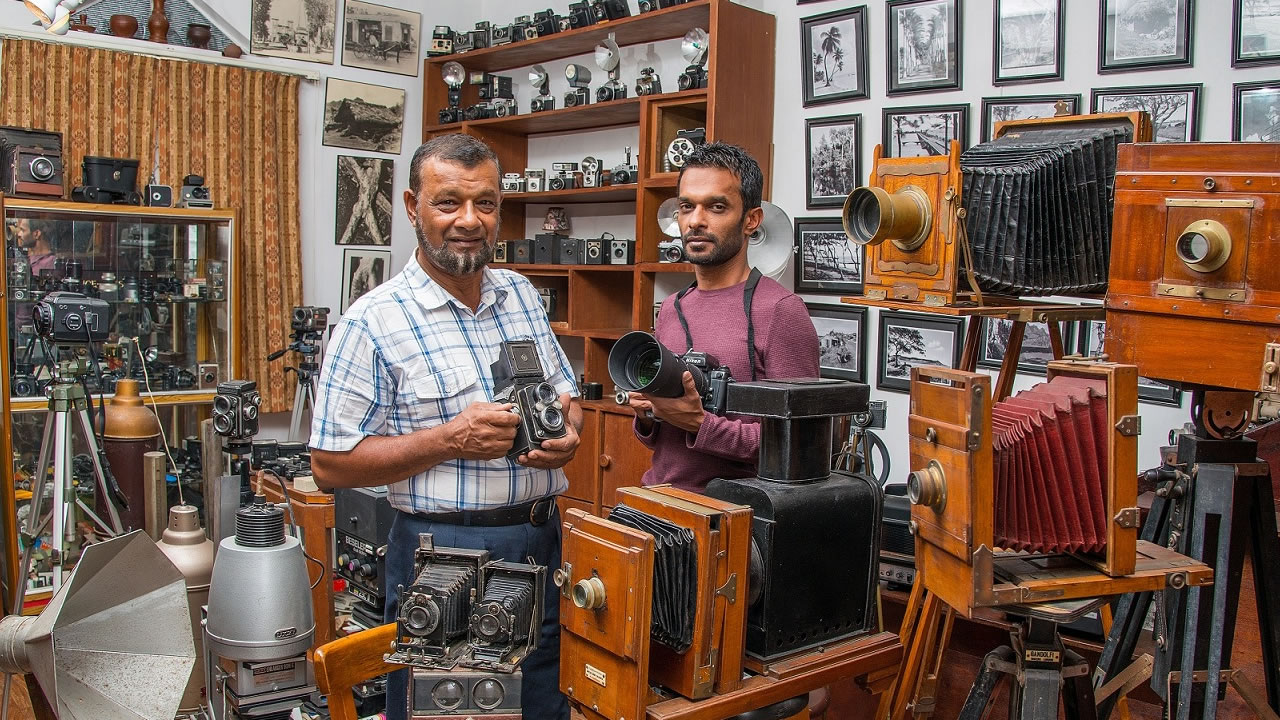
[232, 50]
[129, 431]
[83, 24]
[158, 24]
[198, 35]
[124, 25]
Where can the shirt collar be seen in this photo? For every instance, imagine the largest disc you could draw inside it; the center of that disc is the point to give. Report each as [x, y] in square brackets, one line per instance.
[432, 294]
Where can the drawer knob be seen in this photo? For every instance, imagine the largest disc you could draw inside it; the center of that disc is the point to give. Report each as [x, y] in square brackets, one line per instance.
[605, 461]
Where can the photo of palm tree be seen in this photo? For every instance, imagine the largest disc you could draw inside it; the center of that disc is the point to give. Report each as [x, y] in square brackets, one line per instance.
[924, 45]
[1173, 108]
[835, 56]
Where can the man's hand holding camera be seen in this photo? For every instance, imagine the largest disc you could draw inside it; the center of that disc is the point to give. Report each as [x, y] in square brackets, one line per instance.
[555, 452]
[685, 412]
[486, 431]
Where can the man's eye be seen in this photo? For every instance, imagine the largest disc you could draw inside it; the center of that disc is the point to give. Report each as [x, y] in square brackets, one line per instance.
[686, 207]
[487, 204]
[718, 208]
[446, 204]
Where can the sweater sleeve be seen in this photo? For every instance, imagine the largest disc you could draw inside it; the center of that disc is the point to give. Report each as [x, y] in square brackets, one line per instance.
[648, 439]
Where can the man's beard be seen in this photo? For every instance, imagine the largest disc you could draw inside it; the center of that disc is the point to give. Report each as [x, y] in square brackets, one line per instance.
[454, 263]
[722, 250]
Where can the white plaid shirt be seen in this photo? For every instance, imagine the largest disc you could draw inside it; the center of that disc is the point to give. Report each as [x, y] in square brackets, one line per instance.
[408, 355]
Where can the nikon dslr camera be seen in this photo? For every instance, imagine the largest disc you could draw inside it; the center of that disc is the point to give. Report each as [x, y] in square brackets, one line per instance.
[518, 379]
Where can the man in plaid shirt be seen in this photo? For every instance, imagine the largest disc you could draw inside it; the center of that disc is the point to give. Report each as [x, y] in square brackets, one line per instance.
[406, 399]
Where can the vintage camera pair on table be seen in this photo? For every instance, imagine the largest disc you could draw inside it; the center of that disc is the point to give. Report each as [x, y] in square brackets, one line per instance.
[30, 162]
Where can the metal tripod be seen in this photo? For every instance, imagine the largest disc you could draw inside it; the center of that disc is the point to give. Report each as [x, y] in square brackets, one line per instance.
[304, 397]
[1215, 501]
[67, 403]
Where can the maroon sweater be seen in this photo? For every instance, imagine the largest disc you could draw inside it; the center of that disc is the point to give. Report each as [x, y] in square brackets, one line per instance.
[786, 347]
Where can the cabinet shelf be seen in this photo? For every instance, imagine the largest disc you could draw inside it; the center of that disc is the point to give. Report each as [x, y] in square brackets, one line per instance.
[162, 398]
[609, 193]
[583, 117]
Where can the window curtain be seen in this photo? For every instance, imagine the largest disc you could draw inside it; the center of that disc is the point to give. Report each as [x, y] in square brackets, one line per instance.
[237, 128]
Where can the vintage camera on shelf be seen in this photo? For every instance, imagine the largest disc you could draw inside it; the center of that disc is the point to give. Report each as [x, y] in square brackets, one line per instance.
[462, 42]
[501, 35]
[548, 297]
[23, 382]
[194, 193]
[579, 77]
[580, 15]
[606, 10]
[481, 35]
[540, 81]
[608, 57]
[520, 28]
[679, 150]
[625, 173]
[570, 251]
[593, 249]
[108, 180]
[591, 172]
[30, 162]
[235, 410]
[671, 251]
[639, 363]
[453, 75]
[566, 177]
[71, 318]
[693, 47]
[502, 251]
[157, 195]
[621, 252]
[518, 378]
[651, 5]
[492, 86]
[479, 111]
[441, 41]
[648, 83]
[19, 273]
[309, 320]
[611, 90]
[512, 182]
[535, 179]
[544, 23]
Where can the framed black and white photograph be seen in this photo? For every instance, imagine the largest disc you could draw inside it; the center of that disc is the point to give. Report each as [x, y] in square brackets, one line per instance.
[362, 271]
[1028, 107]
[910, 340]
[1255, 111]
[1029, 38]
[362, 116]
[377, 37]
[827, 260]
[1174, 109]
[924, 45]
[1036, 352]
[1255, 28]
[1092, 334]
[924, 131]
[294, 29]
[842, 344]
[834, 53]
[1141, 34]
[363, 204]
[833, 158]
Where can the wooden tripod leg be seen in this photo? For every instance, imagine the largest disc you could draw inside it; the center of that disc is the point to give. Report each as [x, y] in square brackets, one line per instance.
[1009, 366]
[912, 691]
[1104, 614]
[906, 634]
[972, 341]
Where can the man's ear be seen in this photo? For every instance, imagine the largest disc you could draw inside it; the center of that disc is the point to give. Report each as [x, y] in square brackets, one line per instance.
[411, 206]
[754, 217]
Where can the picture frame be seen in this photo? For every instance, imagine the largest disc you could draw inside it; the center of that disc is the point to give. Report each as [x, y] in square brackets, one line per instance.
[362, 271]
[919, 58]
[1253, 104]
[1029, 37]
[842, 344]
[1037, 351]
[378, 37]
[361, 116]
[827, 261]
[1025, 107]
[924, 130]
[1144, 34]
[363, 201]
[934, 340]
[1174, 109]
[294, 29]
[1255, 33]
[828, 43]
[1091, 334]
[833, 159]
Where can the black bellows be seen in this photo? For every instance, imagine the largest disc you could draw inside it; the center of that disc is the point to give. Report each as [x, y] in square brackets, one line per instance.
[675, 576]
[1038, 203]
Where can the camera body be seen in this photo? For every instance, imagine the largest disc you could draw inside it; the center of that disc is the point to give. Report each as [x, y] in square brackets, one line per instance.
[624, 174]
[591, 172]
[567, 177]
[542, 103]
[501, 250]
[501, 35]
[235, 410]
[651, 5]
[30, 162]
[648, 83]
[717, 379]
[606, 10]
[580, 15]
[512, 182]
[612, 90]
[504, 107]
[431, 624]
[593, 251]
[576, 97]
[693, 77]
[23, 383]
[544, 23]
[309, 319]
[479, 111]
[71, 317]
[518, 378]
[451, 115]
[535, 179]
[194, 193]
[441, 41]
[671, 251]
[507, 612]
[480, 37]
[682, 147]
[493, 86]
[622, 252]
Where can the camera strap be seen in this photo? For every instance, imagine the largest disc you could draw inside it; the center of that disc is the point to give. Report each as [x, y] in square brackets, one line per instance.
[748, 293]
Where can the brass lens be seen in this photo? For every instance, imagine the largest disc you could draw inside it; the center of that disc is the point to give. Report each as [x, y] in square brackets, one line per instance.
[872, 215]
[1204, 246]
[928, 487]
[588, 593]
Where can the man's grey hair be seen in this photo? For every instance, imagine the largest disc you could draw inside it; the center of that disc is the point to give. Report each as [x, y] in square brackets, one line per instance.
[735, 160]
[455, 148]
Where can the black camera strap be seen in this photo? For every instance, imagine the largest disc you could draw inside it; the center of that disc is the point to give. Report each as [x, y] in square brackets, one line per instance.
[748, 293]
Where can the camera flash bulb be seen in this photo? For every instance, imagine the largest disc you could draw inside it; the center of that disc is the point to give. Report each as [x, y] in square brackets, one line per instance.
[453, 74]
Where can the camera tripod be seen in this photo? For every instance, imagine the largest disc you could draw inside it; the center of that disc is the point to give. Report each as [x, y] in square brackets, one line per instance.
[304, 396]
[1213, 500]
[67, 402]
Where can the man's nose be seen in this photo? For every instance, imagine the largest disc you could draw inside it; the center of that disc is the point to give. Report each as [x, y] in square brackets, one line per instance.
[467, 215]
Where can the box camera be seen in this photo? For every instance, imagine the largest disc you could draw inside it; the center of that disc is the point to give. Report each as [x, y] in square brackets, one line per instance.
[544, 23]
[512, 182]
[625, 173]
[682, 147]
[521, 251]
[570, 251]
[518, 379]
[548, 297]
[693, 77]
[30, 162]
[591, 172]
[535, 179]
[71, 317]
[542, 103]
[441, 41]
[158, 196]
[546, 249]
[194, 193]
[648, 83]
[207, 376]
[235, 409]
[605, 10]
[622, 252]
[500, 251]
[671, 251]
[309, 319]
[593, 251]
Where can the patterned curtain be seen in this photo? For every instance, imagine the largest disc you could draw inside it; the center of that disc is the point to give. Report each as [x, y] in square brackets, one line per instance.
[237, 128]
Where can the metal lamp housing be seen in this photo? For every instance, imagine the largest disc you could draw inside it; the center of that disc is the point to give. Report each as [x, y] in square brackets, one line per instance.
[259, 602]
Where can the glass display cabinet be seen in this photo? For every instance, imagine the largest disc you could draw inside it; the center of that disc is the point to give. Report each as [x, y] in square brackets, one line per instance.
[158, 291]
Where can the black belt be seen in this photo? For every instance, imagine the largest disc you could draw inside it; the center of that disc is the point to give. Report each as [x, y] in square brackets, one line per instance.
[535, 512]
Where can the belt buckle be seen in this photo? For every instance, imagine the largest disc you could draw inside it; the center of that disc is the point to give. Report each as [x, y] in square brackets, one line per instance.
[533, 510]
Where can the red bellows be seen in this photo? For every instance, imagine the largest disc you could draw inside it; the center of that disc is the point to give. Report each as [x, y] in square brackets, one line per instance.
[1049, 465]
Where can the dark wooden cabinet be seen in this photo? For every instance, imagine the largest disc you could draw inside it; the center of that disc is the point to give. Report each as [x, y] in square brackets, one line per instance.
[608, 458]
